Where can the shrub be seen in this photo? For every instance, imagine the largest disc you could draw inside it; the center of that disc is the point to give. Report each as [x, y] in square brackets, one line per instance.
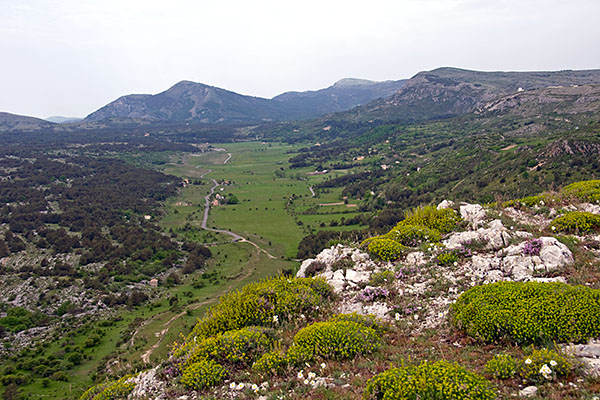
[529, 312]
[203, 374]
[440, 381]
[542, 365]
[118, 389]
[413, 235]
[382, 278]
[271, 362]
[337, 339]
[447, 258]
[386, 249]
[370, 321]
[266, 303]
[314, 268]
[443, 221]
[531, 201]
[235, 348]
[533, 247]
[585, 190]
[577, 222]
[299, 355]
[502, 366]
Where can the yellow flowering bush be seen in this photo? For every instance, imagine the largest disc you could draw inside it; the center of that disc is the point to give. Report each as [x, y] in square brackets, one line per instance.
[502, 366]
[370, 321]
[299, 355]
[235, 348]
[266, 303]
[542, 365]
[118, 389]
[271, 362]
[386, 249]
[440, 381]
[577, 222]
[447, 258]
[443, 221]
[413, 235]
[337, 339]
[203, 374]
[584, 190]
[529, 312]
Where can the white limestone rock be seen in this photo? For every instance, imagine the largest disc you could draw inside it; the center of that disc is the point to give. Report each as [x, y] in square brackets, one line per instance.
[445, 204]
[495, 236]
[416, 259]
[474, 214]
[529, 391]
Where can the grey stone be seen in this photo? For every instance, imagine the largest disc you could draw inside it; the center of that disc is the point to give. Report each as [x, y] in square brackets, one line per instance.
[529, 391]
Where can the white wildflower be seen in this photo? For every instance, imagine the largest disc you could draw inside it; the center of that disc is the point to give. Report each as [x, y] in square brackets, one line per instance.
[546, 371]
[553, 363]
[528, 361]
[306, 381]
[232, 385]
[311, 375]
[313, 383]
[455, 263]
[301, 374]
[416, 316]
[255, 387]
[397, 317]
[240, 386]
[323, 365]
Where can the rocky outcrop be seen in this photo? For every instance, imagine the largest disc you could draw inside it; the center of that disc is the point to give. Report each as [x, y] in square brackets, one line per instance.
[494, 237]
[589, 356]
[474, 214]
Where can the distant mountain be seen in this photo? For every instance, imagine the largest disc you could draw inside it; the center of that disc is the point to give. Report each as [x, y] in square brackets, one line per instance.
[190, 101]
[343, 95]
[13, 122]
[63, 120]
[447, 92]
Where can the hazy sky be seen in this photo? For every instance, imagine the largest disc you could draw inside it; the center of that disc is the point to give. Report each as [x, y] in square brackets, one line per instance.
[70, 57]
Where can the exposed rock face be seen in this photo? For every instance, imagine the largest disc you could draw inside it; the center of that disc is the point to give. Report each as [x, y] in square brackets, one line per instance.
[495, 236]
[473, 213]
[529, 391]
[589, 355]
[445, 204]
[148, 385]
[520, 266]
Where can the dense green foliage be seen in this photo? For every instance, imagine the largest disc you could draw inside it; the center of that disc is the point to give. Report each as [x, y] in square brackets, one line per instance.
[529, 312]
[267, 303]
[337, 339]
[442, 221]
[440, 381]
[271, 362]
[577, 222]
[543, 365]
[203, 374]
[584, 190]
[117, 390]
[502, 366]
[384, 248]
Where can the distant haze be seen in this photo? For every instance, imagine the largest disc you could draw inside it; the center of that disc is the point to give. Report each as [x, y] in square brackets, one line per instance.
[71, 57]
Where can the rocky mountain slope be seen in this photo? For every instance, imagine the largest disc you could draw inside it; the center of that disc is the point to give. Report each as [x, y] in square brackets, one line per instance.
[14, 122]
[190, 101]
[447, 92]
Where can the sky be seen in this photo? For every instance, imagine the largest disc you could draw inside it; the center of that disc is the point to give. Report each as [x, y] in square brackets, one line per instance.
[71, 57]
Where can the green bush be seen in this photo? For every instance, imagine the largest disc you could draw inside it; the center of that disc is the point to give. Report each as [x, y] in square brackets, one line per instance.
[382, 278]
[370, 321]
[413, 235]
[271, 362]
[337, 339]
[235, 348]
[203, 374]
[529, 312]
[266, 303]
[502, 366]
[585, 190]
[577, 222]
[436, 381]
[386, 249]
[443, 221]
[118, 389]
[299, 355]
[530, 201]
[447, 258]
[542, 365]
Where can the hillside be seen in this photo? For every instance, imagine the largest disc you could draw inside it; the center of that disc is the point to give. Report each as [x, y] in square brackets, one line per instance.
[13, 122]
[190, 101]
[448, 92]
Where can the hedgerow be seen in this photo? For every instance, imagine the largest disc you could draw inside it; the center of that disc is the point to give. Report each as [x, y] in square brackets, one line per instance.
[440, 381]
[529, 312]
[118, 389]
[267, 303]
[337, 339]
[577, 222]
[237, 348]
[203, 374]
[584, 190]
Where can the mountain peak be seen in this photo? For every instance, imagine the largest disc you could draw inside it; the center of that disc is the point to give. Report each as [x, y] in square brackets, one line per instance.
[353, 82]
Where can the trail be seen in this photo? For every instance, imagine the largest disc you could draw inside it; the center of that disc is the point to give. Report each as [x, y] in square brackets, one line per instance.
[312, 191]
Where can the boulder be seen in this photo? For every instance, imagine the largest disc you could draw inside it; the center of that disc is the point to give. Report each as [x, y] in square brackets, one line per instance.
[495, 236]
[529, 391]
[302, 271]
[474, 214]
[445, 204]
[357, 277]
